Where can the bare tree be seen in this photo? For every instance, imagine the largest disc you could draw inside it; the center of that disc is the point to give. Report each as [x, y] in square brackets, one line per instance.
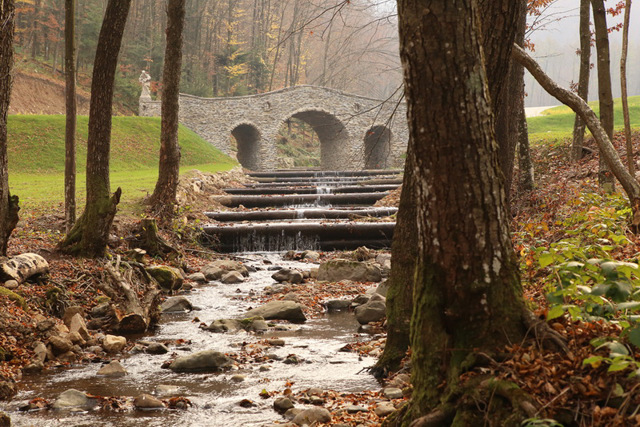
[583, 78]
[71, 109]
[623, 86]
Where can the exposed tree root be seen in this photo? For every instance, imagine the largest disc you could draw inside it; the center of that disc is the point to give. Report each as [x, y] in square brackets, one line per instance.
[543, 333]
[145, 236]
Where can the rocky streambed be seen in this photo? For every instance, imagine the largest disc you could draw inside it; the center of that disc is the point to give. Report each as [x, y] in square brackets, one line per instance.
[224, 353]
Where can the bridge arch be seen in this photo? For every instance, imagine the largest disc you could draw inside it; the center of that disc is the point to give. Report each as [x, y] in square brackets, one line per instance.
[345, 123]
[248, 141]
[377, 147]
[332, 133]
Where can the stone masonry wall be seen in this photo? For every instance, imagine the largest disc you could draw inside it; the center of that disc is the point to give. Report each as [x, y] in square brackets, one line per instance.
[341, 120]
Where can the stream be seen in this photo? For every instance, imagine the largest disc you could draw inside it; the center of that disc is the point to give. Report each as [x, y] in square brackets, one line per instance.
[215, 396]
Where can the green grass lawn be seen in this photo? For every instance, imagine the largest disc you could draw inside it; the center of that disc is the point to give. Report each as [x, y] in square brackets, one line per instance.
[557, 123]
[36, 158]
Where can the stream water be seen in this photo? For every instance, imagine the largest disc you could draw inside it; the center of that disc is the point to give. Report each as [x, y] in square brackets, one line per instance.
[215, 396]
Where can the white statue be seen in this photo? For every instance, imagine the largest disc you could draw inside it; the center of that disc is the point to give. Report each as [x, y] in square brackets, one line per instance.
[145, 80]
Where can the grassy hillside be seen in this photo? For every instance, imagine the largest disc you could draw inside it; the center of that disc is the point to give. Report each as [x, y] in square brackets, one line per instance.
[36, 157]
[557, 123]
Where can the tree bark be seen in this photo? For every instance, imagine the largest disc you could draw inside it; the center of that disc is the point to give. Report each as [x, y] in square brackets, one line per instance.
[8, 204]
[583, 79]
[579, 106]
[605, 95]
[71, 110]
[525, 164]
[404, 251]
[467, 296]
[90, 234]
[623, 85]
[163, 200]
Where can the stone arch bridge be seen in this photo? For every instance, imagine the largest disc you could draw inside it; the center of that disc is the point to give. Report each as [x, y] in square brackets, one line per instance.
[355, 132]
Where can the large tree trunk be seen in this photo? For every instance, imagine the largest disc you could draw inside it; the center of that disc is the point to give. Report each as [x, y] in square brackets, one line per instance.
[163, 199]
[90, 234]
[404, 250]
[467, 294]
[8, 204]
[583, 79]
[605, 95]
[579, 106]
[623, 86]
[71, 109]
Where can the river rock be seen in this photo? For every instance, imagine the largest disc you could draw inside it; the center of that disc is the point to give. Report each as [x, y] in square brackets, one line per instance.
[337, 305]
[287, 275]
[78, 325]
[40, 351]
[176, 304]
[157, 348]
[238, 378]
[70, 312]
[385, 261]
[102, 310]
[373, 310]
[344, 269]
[203, 361]
[282, 404]
[197, 277]
[148, 402]
[224, 325]
[383, 409]
[312, 416]
[383, 288]
[73, 400]
[5, 421]
[282, 310]
[392, 393]
[60, 344]
[217, 269]
[354, 409]
[113, 369]
[312, 256]
[169, 278]
[114, 343]
[232, 277]
[362, 254]
[12, 285]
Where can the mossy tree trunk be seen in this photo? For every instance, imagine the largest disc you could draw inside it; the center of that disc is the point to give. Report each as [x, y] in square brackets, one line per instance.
[403, 262]
[90, 234]
[8, 203]
[467, 296]
[163, 200]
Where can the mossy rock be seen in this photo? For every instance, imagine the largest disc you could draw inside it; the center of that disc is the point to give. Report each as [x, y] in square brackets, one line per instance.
[13, 297]
[169, 278]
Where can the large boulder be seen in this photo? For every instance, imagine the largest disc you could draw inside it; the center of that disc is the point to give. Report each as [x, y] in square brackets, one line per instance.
[343, 269]
[78, 325]
[169, 278]
[217, 269]
[232, 277]
[203, 361]
[287, 275]
[373, 310]
[224, 325]
[177, 304]
[74, 400]
[114, 343]
[282, 310]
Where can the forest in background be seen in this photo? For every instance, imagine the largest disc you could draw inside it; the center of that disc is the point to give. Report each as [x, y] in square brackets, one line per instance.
[232, 47]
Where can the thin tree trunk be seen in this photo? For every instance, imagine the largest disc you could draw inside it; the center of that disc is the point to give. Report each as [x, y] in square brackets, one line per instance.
[579, 106]
[623, 85]
[164, 196]
[583, 79]
[525, 164]
[90, 234]
[8, 203]
[71, 109]
[605, 95]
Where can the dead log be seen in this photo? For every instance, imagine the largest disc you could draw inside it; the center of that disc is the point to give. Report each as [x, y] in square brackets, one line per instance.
[322, 174]
[135, 294]
[300, 199]
[145, 236]
[311, 190]
[23, 266]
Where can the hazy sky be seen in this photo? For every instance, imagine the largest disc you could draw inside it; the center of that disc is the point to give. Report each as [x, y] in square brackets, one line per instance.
[557, 43]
